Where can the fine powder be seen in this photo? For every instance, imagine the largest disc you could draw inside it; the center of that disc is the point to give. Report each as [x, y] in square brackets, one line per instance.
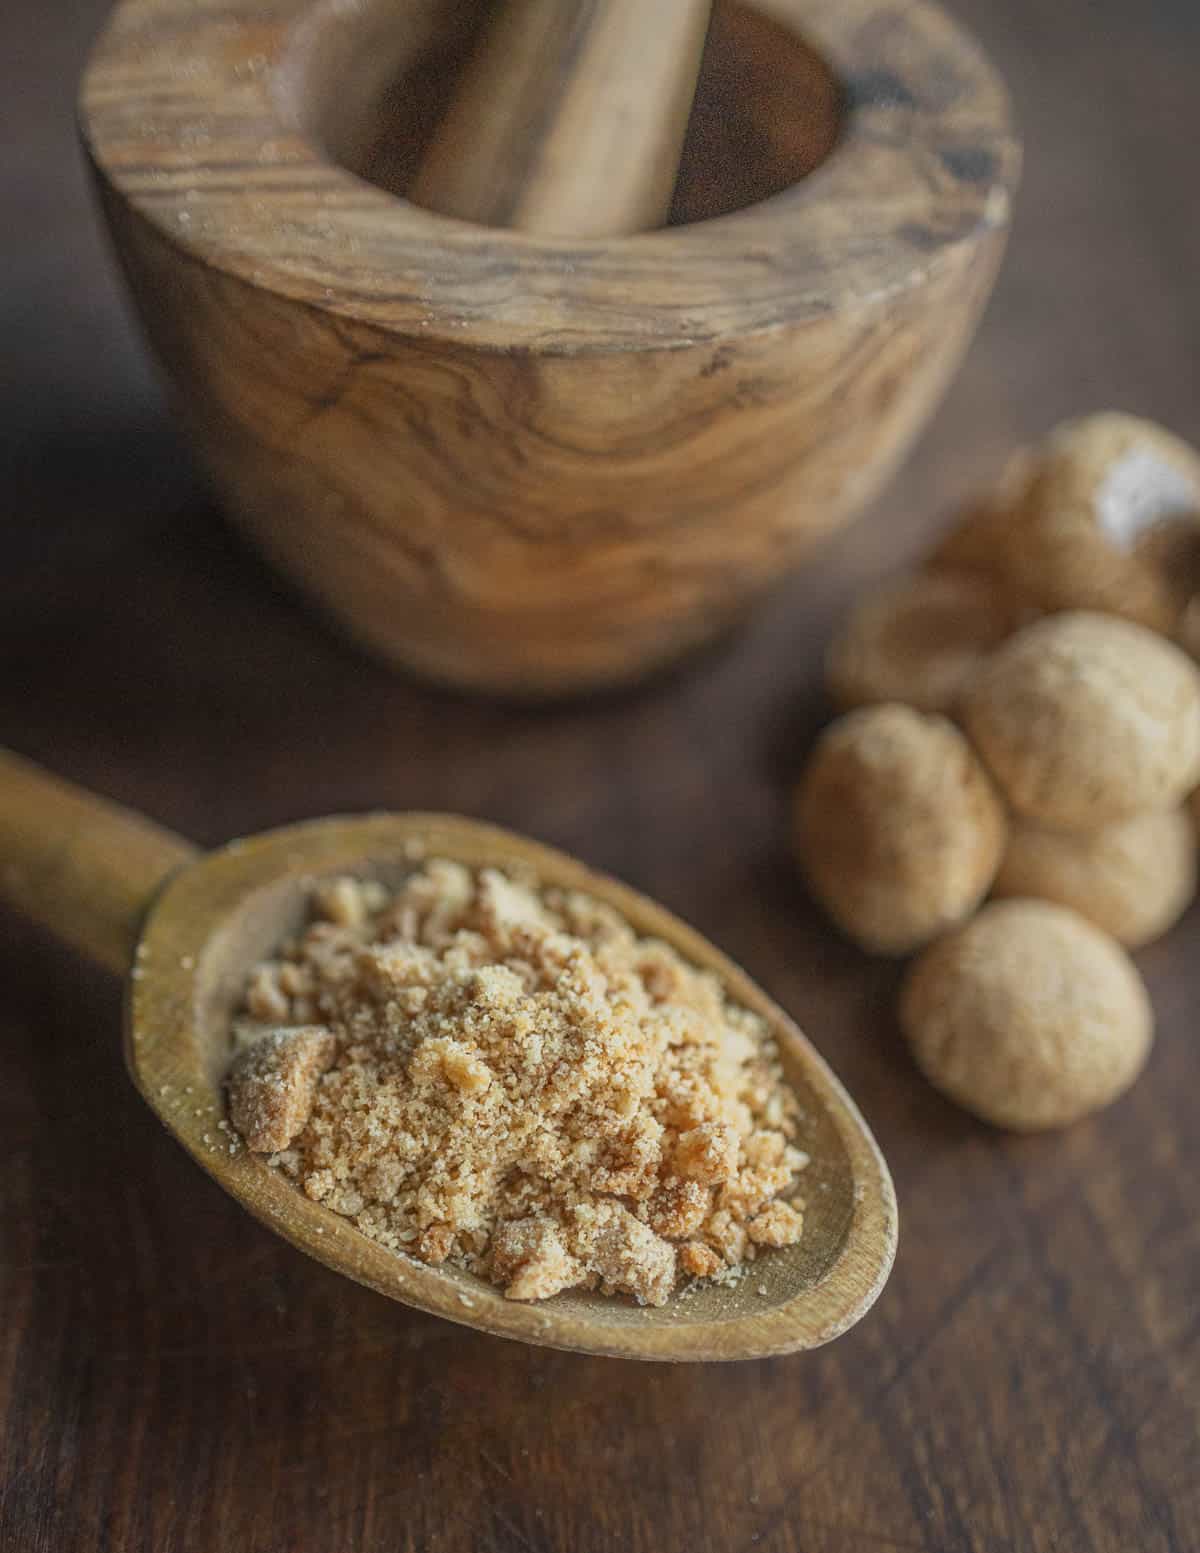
[509, 1079]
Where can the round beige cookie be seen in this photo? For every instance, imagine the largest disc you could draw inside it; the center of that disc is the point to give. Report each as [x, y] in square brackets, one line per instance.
[1103, 515]
[897, 827]
[1188, 632]
[1085, 720]
[1134, 879]
[1029, 1016]
[979, 541]
[918, 640]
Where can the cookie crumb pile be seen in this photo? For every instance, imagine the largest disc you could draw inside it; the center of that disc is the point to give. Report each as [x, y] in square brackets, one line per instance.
[1050, 632]
[508, 1079]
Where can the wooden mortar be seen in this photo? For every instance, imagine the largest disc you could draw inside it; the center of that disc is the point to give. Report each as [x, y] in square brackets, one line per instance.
[529, 463]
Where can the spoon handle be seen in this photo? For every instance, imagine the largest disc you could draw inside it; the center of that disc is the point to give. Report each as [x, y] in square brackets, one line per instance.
[570, 119]
[78, 865]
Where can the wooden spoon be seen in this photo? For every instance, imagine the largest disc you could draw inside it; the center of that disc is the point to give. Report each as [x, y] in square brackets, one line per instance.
[130, 894]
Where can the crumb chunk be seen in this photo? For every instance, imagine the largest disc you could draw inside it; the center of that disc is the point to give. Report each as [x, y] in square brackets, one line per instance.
[272, 1085]
[436, 1244]
[506, 1079]
[463, 1069]
[777, 1225]
[265, 998]
[725, 1234]
[627, 1256]
[530, 1259]
[707, 1153]
[698, 1260]
[342, 901]
[679, 1208]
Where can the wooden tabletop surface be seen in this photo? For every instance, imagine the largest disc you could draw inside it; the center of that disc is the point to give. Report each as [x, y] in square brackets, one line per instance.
[171, 1377]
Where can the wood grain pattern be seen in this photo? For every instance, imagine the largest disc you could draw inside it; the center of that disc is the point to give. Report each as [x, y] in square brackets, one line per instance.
[82, 869]
[539, 465]
[91, 873]
[570, 119]
[174, 1379]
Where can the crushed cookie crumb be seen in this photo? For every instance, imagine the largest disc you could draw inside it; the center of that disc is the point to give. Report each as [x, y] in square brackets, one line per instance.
[272, 1085]
[698, 1260]
[510, 1081]
[708, 1153]
[776, 1225]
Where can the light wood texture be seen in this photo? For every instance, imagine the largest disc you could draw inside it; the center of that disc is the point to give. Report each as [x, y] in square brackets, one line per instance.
[83, 868]
[537, 465]
[100, 867]
[766, 113]
[174, 1378]
[570, 118]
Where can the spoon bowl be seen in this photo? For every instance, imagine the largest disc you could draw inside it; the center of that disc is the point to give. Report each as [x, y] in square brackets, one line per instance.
[216, 915]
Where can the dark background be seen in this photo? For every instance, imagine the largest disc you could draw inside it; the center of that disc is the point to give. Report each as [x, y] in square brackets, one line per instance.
[173, 1378]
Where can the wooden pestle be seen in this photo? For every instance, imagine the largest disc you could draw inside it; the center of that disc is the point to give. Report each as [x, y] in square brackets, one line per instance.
[570, 118]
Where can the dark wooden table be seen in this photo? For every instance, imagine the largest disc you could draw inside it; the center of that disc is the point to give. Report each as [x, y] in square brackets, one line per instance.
[171, 1377]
